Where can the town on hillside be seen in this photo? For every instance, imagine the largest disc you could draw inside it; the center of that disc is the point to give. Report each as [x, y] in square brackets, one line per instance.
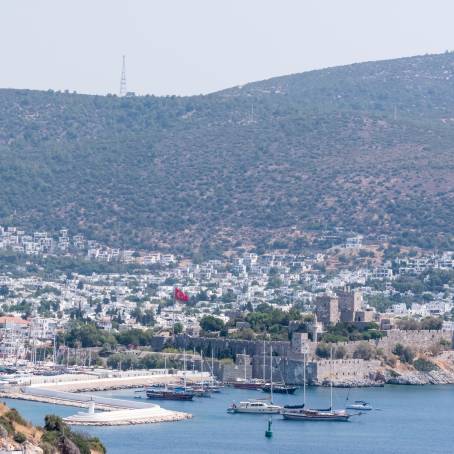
[381, 313]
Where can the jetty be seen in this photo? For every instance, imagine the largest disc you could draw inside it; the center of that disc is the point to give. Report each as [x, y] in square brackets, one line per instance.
[70, 390]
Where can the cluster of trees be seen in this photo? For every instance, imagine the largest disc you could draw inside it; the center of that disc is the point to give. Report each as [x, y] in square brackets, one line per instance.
[325, 351]
[86, 334]
[362, 351]
[430, 281]
[343, 332]
[273, 321]
[126, 361]
[144, 317]
[405, 354]
[264, 320]
[210, 323]
[427, 323]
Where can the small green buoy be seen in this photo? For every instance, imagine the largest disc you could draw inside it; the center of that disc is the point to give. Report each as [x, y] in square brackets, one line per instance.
[269, 432]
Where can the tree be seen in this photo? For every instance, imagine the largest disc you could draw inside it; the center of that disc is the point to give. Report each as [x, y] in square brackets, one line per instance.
[210, 323]
[363, 351]
[434, 323]
[340, 352]
[177, 328]
[323, 350]
[405, 354]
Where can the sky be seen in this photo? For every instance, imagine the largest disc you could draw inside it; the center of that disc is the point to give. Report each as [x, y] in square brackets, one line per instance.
[187, 47]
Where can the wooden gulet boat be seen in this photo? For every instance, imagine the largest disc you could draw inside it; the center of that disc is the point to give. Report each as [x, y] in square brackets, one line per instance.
[301, 413]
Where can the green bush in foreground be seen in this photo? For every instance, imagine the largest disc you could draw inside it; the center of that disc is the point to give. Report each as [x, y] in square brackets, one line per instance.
[59, 434]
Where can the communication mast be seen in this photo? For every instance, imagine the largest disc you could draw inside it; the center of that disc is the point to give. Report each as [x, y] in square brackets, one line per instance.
[123, 89]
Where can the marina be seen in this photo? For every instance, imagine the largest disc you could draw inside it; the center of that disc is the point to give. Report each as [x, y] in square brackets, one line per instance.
[66, 390]
[403, 410]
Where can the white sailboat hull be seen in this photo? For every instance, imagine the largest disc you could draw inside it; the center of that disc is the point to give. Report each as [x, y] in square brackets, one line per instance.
[263, 411]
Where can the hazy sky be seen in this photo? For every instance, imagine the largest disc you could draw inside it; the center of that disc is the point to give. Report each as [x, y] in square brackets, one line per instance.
[198, 46]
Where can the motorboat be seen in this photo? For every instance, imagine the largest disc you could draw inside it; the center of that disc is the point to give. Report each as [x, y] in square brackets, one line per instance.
[256, 407]
[360, 405]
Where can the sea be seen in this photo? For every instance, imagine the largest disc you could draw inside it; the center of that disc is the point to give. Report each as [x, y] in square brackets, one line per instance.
[405, 419]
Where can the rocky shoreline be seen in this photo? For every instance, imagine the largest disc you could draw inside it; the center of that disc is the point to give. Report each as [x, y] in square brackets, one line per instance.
[434, 377]
[392, 377]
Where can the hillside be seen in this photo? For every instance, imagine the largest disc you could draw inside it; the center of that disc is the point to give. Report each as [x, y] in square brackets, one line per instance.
[367, 147]
[19, 435]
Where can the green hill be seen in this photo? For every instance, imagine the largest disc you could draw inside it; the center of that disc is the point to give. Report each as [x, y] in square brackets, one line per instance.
[367, 147]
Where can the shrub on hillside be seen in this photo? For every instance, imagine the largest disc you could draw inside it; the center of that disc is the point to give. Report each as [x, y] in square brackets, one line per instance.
[364, 351]
[323, 350]
[405, 354]
[424, 365]
[19, 437]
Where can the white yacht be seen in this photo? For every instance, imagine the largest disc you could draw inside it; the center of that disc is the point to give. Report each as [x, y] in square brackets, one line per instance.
[255, 406]
[359, 405]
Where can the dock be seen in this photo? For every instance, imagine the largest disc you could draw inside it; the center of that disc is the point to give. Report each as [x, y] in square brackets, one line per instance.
[67, 391]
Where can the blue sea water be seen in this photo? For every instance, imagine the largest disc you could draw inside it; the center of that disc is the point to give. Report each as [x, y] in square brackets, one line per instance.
[416, 420]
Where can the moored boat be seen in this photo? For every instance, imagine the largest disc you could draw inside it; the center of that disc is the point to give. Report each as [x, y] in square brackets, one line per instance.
[200, 391]
[302, 413]
[255, 406]
[167, 394]
[315, 415]
[279, 388]
[253, 384]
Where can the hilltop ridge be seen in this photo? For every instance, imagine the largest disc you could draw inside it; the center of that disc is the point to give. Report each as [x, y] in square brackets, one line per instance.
[366, 147]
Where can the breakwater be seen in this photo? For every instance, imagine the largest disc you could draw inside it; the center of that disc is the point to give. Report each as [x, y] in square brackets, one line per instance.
[65, 390]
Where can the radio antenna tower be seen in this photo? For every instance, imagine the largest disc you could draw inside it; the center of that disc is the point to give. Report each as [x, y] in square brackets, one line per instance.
[123, 90]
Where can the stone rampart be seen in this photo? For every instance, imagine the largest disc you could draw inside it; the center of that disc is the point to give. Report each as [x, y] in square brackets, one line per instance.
[220, 346]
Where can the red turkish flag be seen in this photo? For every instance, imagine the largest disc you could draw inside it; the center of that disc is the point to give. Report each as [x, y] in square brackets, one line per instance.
[180, 295]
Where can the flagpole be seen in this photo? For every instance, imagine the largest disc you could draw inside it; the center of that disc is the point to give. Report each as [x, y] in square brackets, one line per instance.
[173, 312]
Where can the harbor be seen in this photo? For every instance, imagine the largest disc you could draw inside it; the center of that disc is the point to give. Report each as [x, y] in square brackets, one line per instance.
[401, 409]
[71, 391]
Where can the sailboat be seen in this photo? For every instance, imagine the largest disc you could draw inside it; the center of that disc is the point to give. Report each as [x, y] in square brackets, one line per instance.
[280, 388]
[245, 383]
[302, 413]
[201, 389]
[258, 406]
[170, 392]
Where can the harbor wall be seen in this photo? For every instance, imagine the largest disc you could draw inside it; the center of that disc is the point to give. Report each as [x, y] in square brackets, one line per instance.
[221, 347]
[419, 340]
[288, 356]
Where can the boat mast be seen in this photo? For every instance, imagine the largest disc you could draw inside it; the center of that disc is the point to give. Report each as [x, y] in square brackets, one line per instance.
[165, 370]
[244, 359]
[264, 360]
[201, 366]
[212, 366]
[271, 372]
[304, 378]
[331, 380]
[184, 367]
